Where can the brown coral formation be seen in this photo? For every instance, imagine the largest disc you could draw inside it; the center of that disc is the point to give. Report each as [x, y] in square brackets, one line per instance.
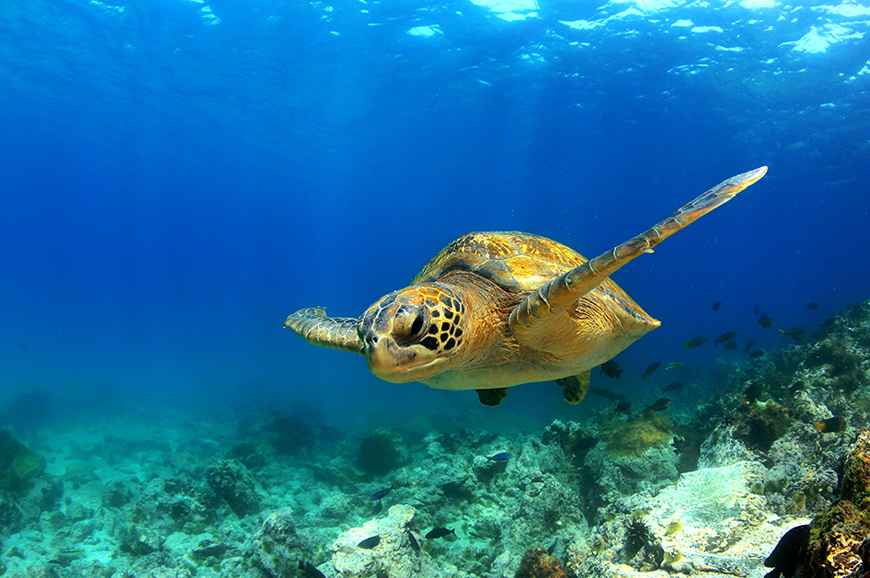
[836, 535]
[536, 563]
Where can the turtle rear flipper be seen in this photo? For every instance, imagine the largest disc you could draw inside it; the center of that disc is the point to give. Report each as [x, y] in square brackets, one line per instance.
[315, 327]
[555, 297]
[492, 397]
[574, 387]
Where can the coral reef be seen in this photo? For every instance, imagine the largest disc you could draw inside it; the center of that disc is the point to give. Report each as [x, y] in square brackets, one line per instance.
[720, 520]
[277, 546]
[837, 535]
[759, 425]
[396, 554]
[18, 466]
[536, 563]
[289, 436]
[632, 438]
[708, 489]
[379, 453]
[233, 483]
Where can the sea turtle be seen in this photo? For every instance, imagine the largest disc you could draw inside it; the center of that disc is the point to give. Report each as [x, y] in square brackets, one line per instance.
[494, 310]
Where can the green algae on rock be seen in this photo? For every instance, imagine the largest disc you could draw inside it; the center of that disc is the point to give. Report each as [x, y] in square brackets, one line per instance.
[632, 438]
[18, 465]
[759, 425]
[836, 535]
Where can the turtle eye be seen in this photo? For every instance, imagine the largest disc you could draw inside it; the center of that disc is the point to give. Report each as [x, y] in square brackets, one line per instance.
[417, 325]
[411, 324]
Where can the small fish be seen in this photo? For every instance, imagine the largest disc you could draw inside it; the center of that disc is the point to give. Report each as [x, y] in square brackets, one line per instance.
[753, 392]
[813, 305]
[382, 493]
[552, 547]
[370, 543]
[650, 369]
[792, 547]
[672, 366]
[725, 337]
[439, 533]
[749, 346]
[828, 322]
[695, 342]
[377, 509]
[500, 457]
[757, 310]
[765, 321]
[730, 345]
[610, 369]
[622, 407]
[309, 570]
[756, 354]
[415, 545]
[606, 393]
[717, 305]
[795, 333]
[661, 404]
[831, 425]
[673, 387]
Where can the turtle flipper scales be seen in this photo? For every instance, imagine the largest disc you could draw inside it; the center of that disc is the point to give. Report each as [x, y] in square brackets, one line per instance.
[315, 327]
[575, 387]
[555, 297]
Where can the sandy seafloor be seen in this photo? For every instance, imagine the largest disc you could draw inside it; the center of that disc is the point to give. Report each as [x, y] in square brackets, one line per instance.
[154, 492]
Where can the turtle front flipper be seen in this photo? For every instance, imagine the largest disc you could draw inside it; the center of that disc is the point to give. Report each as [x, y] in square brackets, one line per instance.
[313, 325]
[555, 297]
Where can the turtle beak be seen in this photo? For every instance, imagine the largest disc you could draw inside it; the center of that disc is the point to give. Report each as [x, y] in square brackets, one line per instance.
[386, 359]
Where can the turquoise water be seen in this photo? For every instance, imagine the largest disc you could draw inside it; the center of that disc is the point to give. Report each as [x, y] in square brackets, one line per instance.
[179, 176]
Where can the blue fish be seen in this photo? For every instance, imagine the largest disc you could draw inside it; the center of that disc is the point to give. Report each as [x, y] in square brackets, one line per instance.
[500, 457]
[381, 493]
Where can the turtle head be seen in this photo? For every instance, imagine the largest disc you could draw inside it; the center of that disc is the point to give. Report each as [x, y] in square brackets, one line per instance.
[413, 334]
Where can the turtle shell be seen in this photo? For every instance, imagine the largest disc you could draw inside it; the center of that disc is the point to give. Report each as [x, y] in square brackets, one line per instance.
[516, 262]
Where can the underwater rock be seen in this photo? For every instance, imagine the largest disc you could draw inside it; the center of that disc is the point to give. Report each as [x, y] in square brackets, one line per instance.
[837, 535]
[138, 540]
[722, 449]
[536, 563]
[167, 505]
[278, 547]
[380, 453]
[234, 484]
[10, 515]
[116, 494]
[394, 556]
[287, 435]
[485, 468]
[18, 466]
[158, 565]
[641, 549]
[632, 438]
[710, 521]
[625, 476]
[758, 425]
[802, 475]
[545, 508]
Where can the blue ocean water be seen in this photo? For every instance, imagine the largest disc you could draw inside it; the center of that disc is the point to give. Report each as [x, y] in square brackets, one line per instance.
[179, 176]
